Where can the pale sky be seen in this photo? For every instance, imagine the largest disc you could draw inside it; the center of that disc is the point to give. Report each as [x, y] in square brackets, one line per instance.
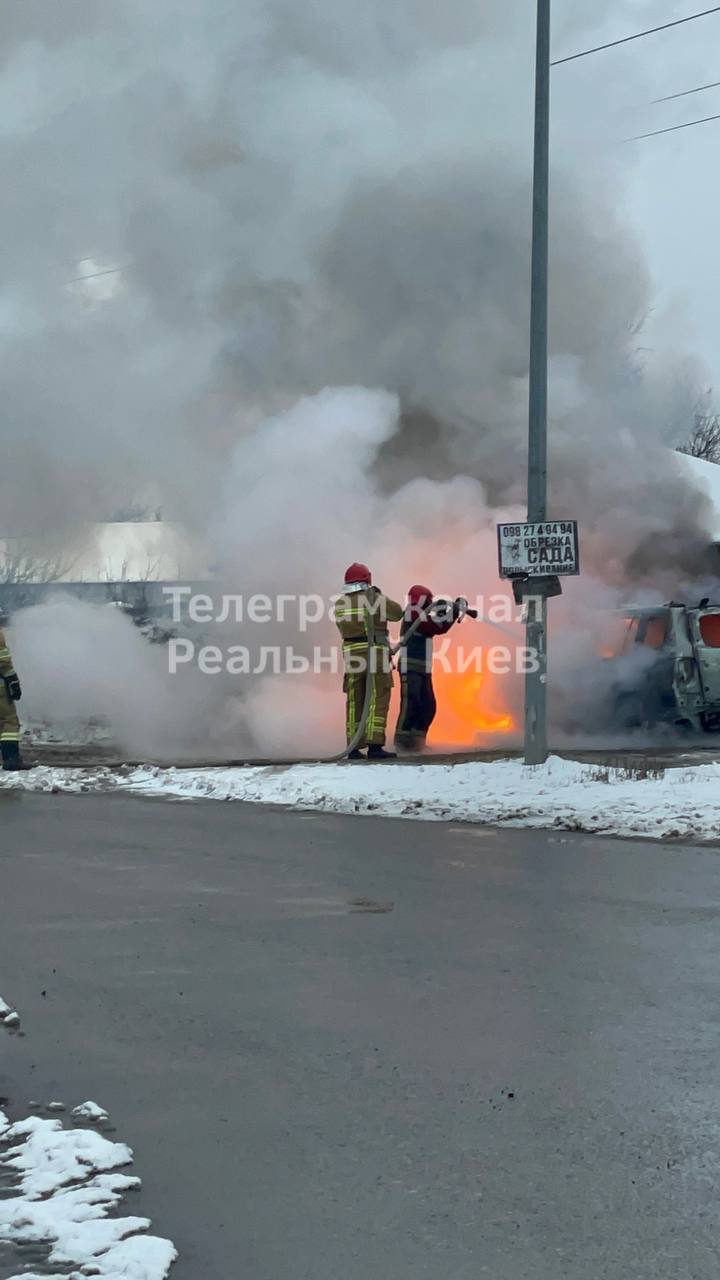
[670, 182]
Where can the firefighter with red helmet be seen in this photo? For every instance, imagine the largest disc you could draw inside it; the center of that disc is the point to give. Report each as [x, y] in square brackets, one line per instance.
[361, 611]
[418, 706]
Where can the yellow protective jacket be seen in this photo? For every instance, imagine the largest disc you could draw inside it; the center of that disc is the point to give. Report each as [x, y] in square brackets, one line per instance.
[6, 664]
[356, 606]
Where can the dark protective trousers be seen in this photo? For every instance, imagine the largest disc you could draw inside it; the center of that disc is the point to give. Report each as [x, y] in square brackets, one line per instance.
[417, 709]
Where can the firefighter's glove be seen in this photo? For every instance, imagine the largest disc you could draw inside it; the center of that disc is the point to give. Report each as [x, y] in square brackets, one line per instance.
[12, 688]
[461, 609]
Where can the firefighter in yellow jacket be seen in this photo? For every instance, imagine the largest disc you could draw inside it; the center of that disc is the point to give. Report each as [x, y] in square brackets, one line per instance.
[10, 693]
[362, 605]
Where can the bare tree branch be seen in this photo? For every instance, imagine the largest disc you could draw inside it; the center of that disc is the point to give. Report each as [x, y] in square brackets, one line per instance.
[704, 439]
[21, 565]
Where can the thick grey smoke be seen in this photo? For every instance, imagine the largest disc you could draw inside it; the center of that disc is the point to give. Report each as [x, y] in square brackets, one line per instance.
[273, 199]
[294, 197]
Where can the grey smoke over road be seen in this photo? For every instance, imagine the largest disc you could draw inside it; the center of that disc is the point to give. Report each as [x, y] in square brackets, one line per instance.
[272, 199]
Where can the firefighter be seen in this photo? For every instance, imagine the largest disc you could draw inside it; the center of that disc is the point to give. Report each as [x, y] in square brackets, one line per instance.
[362, 605]
[417, 701]
[10, 693]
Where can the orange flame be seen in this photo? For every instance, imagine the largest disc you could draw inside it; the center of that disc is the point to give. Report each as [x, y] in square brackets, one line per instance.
[469, 708]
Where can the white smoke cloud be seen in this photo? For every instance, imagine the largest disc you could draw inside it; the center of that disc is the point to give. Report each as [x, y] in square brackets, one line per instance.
[297, 198]
[82, 663]
[300, 198]
[280, 498]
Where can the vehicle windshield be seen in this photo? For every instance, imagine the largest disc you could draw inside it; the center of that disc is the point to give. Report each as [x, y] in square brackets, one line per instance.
[650, 631]
[654, 633]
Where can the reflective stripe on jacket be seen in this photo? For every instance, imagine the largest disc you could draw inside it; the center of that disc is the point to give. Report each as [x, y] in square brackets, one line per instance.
[353, 608]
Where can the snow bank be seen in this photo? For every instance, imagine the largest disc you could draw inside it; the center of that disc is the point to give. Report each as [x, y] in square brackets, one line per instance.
[561, 793]
[63, 1185]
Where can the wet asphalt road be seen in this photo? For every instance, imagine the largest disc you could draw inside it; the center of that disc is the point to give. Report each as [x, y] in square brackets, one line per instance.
[512, 1072]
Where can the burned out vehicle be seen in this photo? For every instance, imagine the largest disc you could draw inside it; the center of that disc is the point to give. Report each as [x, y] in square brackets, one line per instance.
[665, 668]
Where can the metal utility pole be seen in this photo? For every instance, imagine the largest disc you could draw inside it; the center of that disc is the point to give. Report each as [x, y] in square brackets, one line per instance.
[536, 748]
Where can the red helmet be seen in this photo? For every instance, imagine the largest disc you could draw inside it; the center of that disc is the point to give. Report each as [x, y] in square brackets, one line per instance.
[420, 595]
[358, 573]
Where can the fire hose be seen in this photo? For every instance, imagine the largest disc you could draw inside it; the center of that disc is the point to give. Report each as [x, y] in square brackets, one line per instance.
[423, 616]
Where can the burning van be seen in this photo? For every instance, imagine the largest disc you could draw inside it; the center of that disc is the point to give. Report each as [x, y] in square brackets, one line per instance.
[663, 666]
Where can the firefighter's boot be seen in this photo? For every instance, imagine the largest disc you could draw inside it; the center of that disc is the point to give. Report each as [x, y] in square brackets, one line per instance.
[12, 761]
[376, 752]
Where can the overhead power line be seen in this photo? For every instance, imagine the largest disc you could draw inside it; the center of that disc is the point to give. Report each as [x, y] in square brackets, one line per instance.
[612, 44]
[111, 271]
[670, 97]
[672, 128]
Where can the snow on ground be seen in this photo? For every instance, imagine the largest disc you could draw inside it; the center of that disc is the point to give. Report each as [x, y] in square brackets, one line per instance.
[561, 794]
[63, 1185]
[9, 1017]
[90, 1111]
